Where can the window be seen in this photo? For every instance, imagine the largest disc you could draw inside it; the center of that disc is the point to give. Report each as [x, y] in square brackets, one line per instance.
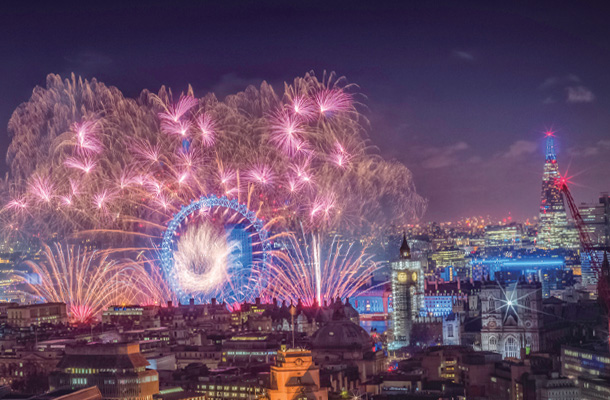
[511, 348]
[450, 331]
[492, 306]
[493, 343]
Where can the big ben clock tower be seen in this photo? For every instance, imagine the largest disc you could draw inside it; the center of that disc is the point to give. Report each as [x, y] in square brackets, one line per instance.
[407, 294]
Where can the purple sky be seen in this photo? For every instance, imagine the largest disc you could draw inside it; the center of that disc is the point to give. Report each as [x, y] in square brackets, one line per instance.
[461, 93]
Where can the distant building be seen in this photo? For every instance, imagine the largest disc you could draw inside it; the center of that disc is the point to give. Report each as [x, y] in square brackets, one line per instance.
[407, 294]
[589, 366]
[295, 376]
[596, 217]
[37, 314]
[553, 230]
[117, 369]
[552, 272]
[502, 236]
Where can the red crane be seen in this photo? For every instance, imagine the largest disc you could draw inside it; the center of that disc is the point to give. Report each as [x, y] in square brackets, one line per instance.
[599, 267]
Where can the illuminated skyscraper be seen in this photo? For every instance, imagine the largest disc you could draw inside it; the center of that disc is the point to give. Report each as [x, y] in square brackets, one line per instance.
[553, 229]
[407, 294]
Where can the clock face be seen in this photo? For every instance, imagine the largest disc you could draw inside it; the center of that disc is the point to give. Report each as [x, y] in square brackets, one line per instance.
[298, 361]
[402, 277]
[414, 276]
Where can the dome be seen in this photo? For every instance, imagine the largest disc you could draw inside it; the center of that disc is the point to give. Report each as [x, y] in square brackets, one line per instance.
[339, 335]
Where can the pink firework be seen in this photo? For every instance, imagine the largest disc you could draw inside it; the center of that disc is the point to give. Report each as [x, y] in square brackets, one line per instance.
[178, 128]
[174, 112]
[86, 137]
[41, 188]
[226, 176]
[162, 201]
[126, 179]
[261, 174]
[187, 159]
[322, 206]
[182, 177]
[339, 156]
[153, 186]
[66, 200]
[19, 204]
[302, 172]
[101, 199]
[85, 164]
[294, 184]
[285, 132]
[148, 151]
[205, 127]
[330, 101]
[303, 107]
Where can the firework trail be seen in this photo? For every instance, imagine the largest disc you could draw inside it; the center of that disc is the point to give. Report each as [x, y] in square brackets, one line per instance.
[89, 282]
[311, 267]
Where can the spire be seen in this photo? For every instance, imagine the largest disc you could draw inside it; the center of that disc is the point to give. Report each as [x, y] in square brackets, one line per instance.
[550, 146]
[405, 251]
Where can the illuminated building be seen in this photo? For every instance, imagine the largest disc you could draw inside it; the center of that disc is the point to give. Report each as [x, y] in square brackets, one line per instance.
[131, 315]
[553, 229]
[221, 384]
[511, 317]
[440, 298]
[596, 217]
[550, 271]
[247, 349]
[407, 294]
[502, 236]
[295, 377]
[590, 367]
[117, 369]
[37, 314]
[448, 257]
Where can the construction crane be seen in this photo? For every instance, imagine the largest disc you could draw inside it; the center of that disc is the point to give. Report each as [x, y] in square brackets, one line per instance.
[600, 268]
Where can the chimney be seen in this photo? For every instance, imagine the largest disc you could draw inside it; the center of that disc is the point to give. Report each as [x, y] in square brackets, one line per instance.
[459, 284]
[169, 304]
[213, 301]
[257, 301]
[191, 301]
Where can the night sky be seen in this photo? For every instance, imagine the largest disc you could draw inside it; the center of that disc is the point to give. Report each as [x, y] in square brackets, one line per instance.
[459, 92]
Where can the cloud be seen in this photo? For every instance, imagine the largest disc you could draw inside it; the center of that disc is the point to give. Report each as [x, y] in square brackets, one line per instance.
[549, 100]
[89, 59]
[579, 94]
[600, 147]
[554, 81]
[521, 148]
[441, 157]
[462, 55]
[231, 83]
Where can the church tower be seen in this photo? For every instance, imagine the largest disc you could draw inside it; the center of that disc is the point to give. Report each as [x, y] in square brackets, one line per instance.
[407, 294]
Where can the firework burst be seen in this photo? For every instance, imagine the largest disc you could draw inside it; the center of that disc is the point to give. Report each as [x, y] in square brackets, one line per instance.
[89, 282]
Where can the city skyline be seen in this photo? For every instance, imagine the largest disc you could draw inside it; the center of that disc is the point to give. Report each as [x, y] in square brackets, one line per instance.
[438, 94]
